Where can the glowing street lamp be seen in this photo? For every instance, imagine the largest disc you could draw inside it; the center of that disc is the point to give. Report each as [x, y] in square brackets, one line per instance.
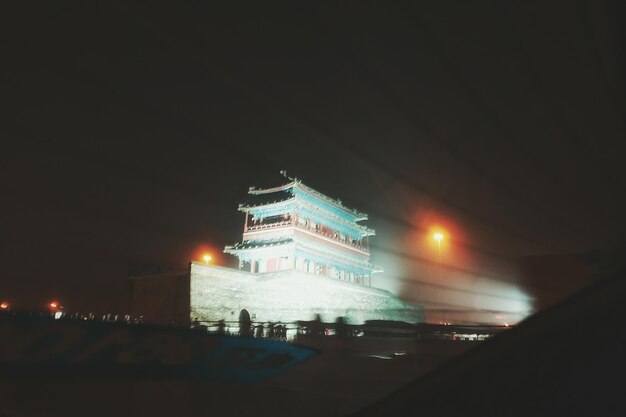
[4, 306]
[56, 309]
[54, 306]
[207, 259]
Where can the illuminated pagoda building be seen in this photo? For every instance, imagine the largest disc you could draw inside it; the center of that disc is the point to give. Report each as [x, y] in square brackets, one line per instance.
[294, 227]
[302, 254]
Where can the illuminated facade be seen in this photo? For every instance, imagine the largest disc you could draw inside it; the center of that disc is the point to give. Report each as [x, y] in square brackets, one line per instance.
[294, 227]
[302, 254]
[288, 296]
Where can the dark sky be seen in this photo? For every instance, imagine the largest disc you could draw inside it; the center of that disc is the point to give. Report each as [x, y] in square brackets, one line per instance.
[133, 130]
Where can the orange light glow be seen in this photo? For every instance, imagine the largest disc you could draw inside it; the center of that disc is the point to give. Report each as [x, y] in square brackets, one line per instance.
[54, 305]
[206, 254]
[4, 305]
[438, 236]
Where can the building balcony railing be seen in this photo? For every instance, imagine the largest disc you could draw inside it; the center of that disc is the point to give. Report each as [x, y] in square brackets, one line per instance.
[261, 226]
[331, 234]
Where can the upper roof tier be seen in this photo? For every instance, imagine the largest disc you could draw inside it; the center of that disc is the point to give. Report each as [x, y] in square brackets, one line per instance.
[298, 189]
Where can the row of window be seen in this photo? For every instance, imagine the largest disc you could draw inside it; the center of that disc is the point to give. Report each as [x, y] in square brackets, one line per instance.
[283, 263]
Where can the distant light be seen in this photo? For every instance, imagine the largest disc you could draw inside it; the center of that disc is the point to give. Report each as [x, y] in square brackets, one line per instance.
[58, 315]
[54, 305]
[438, 236]
[4, 305]
[380, 357]
[207, 258]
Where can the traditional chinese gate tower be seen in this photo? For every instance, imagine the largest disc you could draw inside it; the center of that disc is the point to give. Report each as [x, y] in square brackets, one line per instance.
[295, 227]
[303, 254]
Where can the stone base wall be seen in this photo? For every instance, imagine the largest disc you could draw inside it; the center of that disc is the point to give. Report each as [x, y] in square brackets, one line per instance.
[287, 296]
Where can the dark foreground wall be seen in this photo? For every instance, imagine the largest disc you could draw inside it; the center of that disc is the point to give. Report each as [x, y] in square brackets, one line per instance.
[161, 299]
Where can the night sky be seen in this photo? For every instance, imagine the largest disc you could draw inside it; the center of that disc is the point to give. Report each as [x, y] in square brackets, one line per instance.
[132, 131]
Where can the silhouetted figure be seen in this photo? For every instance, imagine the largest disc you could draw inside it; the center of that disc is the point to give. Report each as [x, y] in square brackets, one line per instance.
[245, 324]
[341, 328]
[221, 327]
[280, 329]
[317, 329]
[258, 331]
[271, 331]
[196, 325]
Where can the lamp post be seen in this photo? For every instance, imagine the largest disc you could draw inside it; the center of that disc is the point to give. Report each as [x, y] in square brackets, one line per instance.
[438, 237]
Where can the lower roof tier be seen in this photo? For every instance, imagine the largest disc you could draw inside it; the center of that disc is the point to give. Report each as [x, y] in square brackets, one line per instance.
[251, 250]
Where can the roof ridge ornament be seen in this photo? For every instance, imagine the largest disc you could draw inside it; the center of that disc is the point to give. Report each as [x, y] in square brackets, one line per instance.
[283, 172]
